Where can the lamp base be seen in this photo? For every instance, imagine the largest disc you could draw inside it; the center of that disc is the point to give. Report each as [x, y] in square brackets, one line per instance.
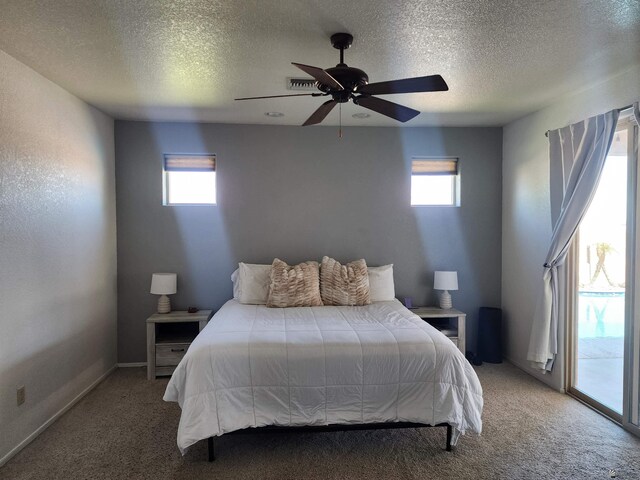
[445, 300]
[164, 304]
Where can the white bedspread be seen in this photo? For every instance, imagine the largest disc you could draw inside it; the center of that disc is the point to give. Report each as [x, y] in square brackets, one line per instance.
[253, 366]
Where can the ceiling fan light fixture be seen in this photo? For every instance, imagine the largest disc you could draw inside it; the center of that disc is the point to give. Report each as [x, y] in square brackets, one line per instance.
[274, 114]
[361, 115]
[349, 84]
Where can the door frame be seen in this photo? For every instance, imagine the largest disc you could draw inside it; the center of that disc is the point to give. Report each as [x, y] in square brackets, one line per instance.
[631, 387]
[630, 417]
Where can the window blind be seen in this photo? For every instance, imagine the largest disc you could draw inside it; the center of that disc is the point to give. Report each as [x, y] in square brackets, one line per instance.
[189, 163]
[434, 166]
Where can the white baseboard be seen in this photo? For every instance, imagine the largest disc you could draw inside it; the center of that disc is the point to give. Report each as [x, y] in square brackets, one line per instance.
[132, 364]
[528, 370]
[55, 416]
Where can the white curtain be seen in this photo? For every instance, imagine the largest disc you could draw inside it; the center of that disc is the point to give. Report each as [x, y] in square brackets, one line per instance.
[577, 154]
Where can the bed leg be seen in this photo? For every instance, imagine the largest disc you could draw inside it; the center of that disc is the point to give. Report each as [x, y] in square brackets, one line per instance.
[449, 434]
[212, 456]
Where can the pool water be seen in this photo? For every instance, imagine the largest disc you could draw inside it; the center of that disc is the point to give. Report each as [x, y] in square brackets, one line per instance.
[600, 314]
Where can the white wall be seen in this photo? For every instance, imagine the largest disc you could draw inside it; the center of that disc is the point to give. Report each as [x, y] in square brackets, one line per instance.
[526, 219]
[57, 249]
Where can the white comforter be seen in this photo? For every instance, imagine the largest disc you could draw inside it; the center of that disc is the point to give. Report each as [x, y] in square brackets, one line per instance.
[253, 366]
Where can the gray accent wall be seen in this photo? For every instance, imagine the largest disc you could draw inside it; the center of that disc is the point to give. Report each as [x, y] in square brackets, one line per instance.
[57, 250]
[526, 213]
[298, 194]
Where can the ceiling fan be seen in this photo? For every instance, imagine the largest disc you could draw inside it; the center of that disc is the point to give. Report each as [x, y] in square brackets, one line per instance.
[344, 83]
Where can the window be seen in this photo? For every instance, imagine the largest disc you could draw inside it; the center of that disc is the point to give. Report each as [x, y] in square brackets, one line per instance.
[189, 180]
[435, 181]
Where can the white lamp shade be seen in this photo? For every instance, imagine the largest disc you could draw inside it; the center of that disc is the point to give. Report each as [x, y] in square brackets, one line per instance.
[164, 283]
[445, 281]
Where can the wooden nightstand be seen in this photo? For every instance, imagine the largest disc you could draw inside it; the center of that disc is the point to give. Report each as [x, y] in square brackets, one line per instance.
[168, 338]
[441, 319]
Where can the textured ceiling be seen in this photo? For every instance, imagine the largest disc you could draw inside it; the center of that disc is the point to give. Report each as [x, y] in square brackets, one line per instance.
[187, 60]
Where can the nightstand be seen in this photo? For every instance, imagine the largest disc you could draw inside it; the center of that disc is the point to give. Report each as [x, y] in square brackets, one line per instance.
[168, 338]
[442, 320]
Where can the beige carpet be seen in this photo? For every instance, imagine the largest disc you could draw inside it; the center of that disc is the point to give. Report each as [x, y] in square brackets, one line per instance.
[123, 430]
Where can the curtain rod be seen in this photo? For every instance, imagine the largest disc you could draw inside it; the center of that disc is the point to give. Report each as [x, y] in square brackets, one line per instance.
[546, 134]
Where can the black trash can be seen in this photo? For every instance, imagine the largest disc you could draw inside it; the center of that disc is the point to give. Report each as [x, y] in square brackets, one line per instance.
[490, 335]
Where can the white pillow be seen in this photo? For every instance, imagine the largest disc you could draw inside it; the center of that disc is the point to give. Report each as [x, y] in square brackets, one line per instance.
[236, 284]
[253, 283]
[381, 287]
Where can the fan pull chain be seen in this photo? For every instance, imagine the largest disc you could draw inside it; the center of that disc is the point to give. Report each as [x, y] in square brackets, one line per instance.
[340, 115]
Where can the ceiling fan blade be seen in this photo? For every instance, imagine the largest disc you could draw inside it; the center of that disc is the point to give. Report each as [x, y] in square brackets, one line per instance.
[390, 109]
[320, 75]
[279, 96]
[320, 114]
[432, 83]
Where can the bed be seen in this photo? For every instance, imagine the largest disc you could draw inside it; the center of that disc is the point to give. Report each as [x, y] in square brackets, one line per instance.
[327, 366]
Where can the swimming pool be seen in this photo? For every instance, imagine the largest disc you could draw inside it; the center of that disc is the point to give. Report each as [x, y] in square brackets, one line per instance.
[600, 314]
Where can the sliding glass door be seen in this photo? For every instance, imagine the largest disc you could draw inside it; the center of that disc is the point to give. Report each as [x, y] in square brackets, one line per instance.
[603, 333]
[631, 406]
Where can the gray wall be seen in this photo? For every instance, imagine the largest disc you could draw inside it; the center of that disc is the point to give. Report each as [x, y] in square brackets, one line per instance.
[301, 193]
[57, 249]
[526, 216]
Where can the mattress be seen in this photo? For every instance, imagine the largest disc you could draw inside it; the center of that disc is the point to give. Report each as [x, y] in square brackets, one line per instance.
[254, 366]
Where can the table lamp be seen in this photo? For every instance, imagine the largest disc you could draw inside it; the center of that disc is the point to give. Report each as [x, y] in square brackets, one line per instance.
[163, 284]
[445, 281]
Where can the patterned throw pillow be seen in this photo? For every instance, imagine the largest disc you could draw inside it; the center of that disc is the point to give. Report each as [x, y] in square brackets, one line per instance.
[294, 286]
[344, 284]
